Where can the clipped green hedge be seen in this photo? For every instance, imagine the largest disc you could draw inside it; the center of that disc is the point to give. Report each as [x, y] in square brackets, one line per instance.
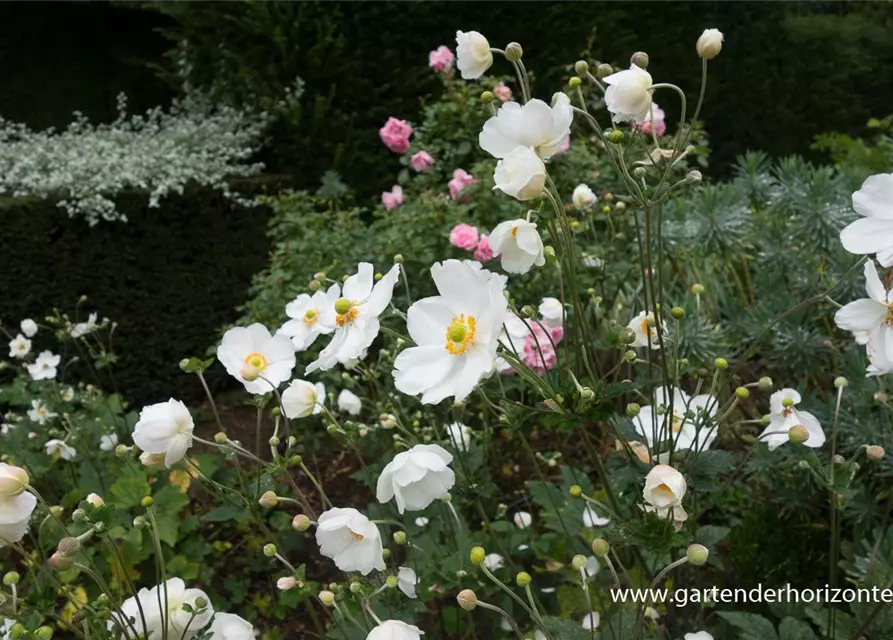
[171, 277]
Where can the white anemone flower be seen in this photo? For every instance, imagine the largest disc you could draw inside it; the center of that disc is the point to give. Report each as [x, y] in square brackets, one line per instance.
[552, 312]
[871, 319]
[171, 595]
[645, 331]
[395, 630]
[520, 174]
[306, 313]
[592, 519]
[271, 357]
[44, 368]
[416, 478]
[583, 197]
[494, 561]
[783, 416]
[229, 626]
[108, 442]
[407, 581]
[700, 635]
[873, 232]
[15, 511]
[459, 435]
[349, 403]
[696, 432]
[628, 95]
[39, 413]
[28, 327]
[355, 316]
[536, 125]
[456, 333]
[301, 399]
[473, 54]
[60, 448]
[165, 428]
[351, 540]
[664, 487]
[591, 621]
[518, 244]
[19, 347]
[522, 519]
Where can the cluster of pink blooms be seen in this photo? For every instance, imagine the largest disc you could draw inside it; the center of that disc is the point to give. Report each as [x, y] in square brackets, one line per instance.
[421, 161]
[461, 180]
[395, 135]
[393, 198]
[441, 59]
[539, 350]
[656, 118]
[502, 92]
[464, 236]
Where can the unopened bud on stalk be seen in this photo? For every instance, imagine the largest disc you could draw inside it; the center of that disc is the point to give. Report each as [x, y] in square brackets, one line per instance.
[44, 633]
[640, 59]
[10, 578]
[68, 546]
[615, 136]
[875, 452]
[487, 97]
[798, 434]
[721, 363]
[640, 172]
[477, 555]
[201, 602]
[269, 550]
[626, 335]
[697, 554]
[523, 579]
[59, 562]
[709, 44]
[693, 176]
[391, 581]
[600, 547]
[578, 561]
[122, 451]
[249, 372]
[576, 491]
[765, 383]
[300, 523]
[697, 289]
[220, 437]
[146, 502]
[513, 52]
[528, 311]
[16, 631]
[78, 515]
[314, 285]
[467, 599]
[633, 409]
[400, 537]
[140, 522]
[574, 82]
[286, 584]
[803, 464]
[587, 394]
[356, 587]
[268, 500]
[581, 67]
[743, 393]
[386, 554]
[630, 356]
[327, 598]
[840, 382]
[604, 70]
[677, 312]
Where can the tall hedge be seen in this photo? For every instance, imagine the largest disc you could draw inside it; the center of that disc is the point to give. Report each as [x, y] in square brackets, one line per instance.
[171, 277]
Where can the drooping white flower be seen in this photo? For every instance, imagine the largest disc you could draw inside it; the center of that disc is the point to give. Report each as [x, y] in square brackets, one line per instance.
[591, 621]
[108, 442]
[522, 519]
[44, 368]
[871, 319]
[28, 327]
[13, 481]
[459, 435]
[395, 630]
[783, 416]
[593, 566]
[306, 313]
[592, 519]
[64, 451]
[351, 540]
[407, 581]
[643, 326]
[80, 329]
[664, 487]
[552, 312]
[19, 347]
[700, 635]
[39, 413]
[228, 626]
[873, 232]
[628, 95]
[15, 514]
[349, 403]
[272, 357]
[355, 316]
[535, 125]
[518, 244]
[301, 399]
[416, 478]
[456, 333]
[494, 561]
[473, 54]
[709, 45]
[165, 428]
[583, 197]
[171, 595]
[67, 394]
[695, 432]
[520, 174]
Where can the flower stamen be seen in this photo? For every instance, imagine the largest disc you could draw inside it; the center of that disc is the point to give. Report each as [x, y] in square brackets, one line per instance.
[256, 360]
[460, 334]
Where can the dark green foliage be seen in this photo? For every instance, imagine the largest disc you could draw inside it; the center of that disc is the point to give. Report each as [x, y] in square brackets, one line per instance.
[170, 277]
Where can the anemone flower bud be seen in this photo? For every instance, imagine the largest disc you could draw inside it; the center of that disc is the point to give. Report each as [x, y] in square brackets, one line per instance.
[697, 554]
[268, 500]
[709, 44]
[467, 599]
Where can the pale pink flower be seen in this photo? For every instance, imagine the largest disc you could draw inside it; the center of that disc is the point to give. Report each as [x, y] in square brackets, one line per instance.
[421, 161]
[441, 59]
[482, 252]
[656, 117]
[395, 135]
[502, 92]
[539, 352]
[464, 236]
[393, 198]
[564, 145]
[461, 180]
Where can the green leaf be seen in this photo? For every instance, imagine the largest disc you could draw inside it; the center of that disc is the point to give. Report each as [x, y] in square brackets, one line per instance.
[750, 625]
[130, 488]
[564, 629]
[224, 513]
[792, 629]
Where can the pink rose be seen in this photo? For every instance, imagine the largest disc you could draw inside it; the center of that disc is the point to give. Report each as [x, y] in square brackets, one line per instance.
[421, 161]
[393, 198]
[656, 117]
[441, 59]
[464, 236]
[502, 92]
[539, 352]
[395, 135]
[461, 180]
[483, 253]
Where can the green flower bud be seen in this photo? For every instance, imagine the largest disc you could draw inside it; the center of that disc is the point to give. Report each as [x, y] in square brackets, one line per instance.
[600, 547]
[78, 515]
[798, 434]
[201, 603]
[146, 502]
[765, 420]
[630, 356]
[697, 289]
[693, 176]
[400, 537]
[640, 59]
[743, 393]
[386, 554]
[44, 633]
[10, 578]
[314, 285]
[391, 581]
[578, 561]
[16, 631]
[840, 382]
[633, 409]
[626, 335]
[523, 579]
[327, 598]
[122, 451]
[487, 97]
[220, 437]
[615, 136]
[640, 172]
[268, 500]
[513, 52]
[398, 258]
[140, 522]
[765, 383]
[721, 363]
[300, 523]
[477, 555]
[269, 550]
[697, 554]
[677, 312]
[574, 82]
[576, 491]
[356, 587]
[604, 70]
[581, 67]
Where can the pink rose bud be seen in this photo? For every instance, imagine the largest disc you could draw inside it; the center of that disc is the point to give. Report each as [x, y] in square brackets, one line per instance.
[483, 252]
[502, 92]
[461, 180]
[393, 198]
[441, 59]
[421, 161]
[464, 236]
[395, 135]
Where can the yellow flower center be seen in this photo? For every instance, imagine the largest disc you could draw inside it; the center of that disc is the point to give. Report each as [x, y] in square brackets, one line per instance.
[678, 421]
[356, 536]
[311, 316]
[460, 334]
[256, 360]
[514, 232]
[347, 311]
[664, 491]
[889, 319]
